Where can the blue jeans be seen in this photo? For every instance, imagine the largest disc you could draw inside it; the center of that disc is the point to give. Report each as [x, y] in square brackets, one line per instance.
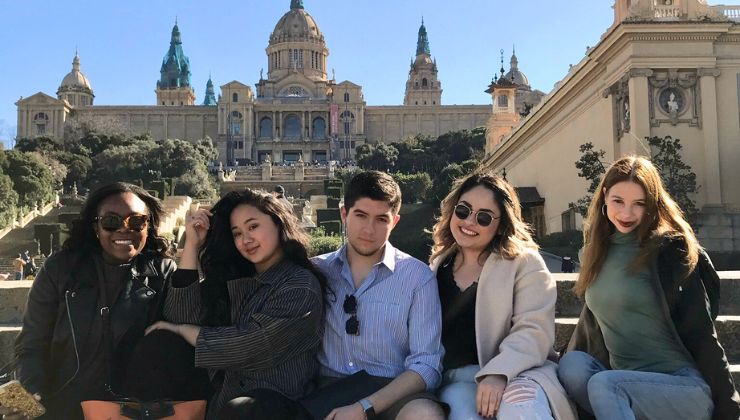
[628, 394]
[523, 398]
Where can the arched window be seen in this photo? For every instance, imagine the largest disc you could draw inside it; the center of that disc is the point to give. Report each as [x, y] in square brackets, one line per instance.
[319, 128]
[266, 127]
[292, 127]
[347, 118]
[346, 97]
[424, 82]
[41, 119]
[234, 97]
[503, 101]
[235, 123]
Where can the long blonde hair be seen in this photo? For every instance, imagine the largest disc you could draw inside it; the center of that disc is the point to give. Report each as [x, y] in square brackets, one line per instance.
[513, 236]
[662, 218]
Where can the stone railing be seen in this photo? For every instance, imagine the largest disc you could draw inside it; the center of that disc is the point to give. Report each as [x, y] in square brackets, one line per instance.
[24, 219]
[730, 12]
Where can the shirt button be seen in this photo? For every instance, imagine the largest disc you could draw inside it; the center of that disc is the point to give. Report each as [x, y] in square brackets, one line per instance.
[351, 364]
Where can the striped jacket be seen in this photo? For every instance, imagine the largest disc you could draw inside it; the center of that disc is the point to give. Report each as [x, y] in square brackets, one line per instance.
[277, 324]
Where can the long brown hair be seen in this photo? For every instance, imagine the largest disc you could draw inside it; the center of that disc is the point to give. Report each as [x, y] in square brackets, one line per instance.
[513, 236]
[663, 218]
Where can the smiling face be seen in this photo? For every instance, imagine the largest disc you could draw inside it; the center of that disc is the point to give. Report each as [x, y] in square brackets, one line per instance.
[256, 236]
[123, 244]
[625, 205]
[369, 224]
[468, 234]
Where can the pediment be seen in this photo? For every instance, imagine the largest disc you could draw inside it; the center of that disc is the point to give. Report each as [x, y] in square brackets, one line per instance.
[234, 84]
[39, 98]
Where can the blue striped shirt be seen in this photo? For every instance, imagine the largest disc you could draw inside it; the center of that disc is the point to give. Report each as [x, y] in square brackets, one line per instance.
[399, 313]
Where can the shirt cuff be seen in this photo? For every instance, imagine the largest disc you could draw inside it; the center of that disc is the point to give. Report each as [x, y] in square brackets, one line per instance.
[184, 277]
[430, 375]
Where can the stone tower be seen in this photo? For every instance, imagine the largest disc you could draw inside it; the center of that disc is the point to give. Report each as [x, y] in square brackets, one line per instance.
[423, 88]
[505, 116]
[173, 87]
[210, 98]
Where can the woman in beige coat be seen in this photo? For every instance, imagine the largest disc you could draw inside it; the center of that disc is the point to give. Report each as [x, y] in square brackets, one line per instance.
[498, 307]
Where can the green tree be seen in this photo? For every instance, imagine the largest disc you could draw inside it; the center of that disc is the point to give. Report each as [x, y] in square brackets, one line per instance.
[32, 179]
[37, 144]
[380, 157]
[591, 167]
[8, 201]
[677, 176]
[414, 187]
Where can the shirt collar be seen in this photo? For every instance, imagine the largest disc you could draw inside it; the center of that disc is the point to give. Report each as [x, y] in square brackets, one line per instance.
[388, 260]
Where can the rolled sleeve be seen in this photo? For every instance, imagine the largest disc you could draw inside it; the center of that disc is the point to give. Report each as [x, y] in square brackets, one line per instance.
[425, 333]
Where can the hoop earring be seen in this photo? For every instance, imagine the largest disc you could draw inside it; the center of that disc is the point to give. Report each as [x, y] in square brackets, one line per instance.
[603, 209]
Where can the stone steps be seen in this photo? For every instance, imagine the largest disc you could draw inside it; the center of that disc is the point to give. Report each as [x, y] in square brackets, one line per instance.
[13, 295]
[568, 304]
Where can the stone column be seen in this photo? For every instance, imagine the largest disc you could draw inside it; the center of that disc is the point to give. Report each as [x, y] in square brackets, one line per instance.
[310, 125]
[274, 125]
[639, 93]
[712, 177]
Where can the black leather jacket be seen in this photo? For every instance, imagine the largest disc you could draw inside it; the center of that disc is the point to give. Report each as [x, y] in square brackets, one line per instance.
[690, 301]
[57, 336]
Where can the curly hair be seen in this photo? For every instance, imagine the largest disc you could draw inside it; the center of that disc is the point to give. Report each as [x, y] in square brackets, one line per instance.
[82, 237]
[513, 236]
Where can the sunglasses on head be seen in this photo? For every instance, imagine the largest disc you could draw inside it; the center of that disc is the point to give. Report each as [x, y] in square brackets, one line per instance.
[113, 222]
[482, 217]
[352, 326]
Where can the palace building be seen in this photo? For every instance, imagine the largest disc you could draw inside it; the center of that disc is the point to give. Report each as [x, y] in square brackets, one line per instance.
[294, 111]
[664, 68]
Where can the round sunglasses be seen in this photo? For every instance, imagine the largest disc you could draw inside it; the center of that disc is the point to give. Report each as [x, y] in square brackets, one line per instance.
[113, 222]
[482, 217]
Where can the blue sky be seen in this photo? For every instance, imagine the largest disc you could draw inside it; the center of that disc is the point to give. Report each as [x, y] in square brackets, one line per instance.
[122, 43]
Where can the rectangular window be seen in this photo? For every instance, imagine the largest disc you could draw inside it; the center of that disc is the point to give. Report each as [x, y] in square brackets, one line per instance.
[236, 128]
[40, 128]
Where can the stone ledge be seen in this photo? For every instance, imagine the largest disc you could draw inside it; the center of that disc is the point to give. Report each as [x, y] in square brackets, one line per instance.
[728, 330]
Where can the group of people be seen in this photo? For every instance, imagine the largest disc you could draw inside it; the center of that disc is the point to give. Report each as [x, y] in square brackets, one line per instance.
[252, 325]
[24, 265]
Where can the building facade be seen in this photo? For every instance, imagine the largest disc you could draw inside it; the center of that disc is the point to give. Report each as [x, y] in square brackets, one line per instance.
[295, 111]
[664, 68]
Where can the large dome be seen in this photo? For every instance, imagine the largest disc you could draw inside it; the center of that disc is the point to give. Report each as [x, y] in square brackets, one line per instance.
[517, 77]
[296, 25]
[75, 80]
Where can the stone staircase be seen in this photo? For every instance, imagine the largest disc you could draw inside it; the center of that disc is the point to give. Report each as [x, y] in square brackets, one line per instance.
[727, 323]
[13, 295]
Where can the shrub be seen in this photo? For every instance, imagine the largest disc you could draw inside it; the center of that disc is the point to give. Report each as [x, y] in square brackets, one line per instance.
[324, 244]
[414, 187]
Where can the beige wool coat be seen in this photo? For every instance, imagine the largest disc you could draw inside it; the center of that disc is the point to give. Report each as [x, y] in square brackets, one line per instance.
[515, 324]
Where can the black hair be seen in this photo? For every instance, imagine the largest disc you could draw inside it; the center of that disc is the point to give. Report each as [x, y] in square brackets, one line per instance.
[221, 261]
[82, 236]
[374, 185]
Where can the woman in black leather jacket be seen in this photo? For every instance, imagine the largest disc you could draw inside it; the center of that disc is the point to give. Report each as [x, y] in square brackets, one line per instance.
[78, 337]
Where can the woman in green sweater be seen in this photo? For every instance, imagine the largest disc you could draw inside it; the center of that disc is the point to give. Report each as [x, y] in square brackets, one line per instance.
[645, 344]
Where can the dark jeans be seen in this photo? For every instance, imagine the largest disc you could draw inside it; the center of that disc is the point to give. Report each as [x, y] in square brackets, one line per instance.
[339, 392]
[259, 404]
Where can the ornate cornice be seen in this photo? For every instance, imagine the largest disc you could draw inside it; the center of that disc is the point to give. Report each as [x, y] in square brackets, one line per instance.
[674, 37]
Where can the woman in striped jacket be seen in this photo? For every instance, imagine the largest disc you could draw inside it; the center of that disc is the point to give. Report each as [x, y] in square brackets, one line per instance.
[256, 318]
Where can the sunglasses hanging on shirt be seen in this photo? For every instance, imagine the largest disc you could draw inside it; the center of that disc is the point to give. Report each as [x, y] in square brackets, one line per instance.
[352, 326]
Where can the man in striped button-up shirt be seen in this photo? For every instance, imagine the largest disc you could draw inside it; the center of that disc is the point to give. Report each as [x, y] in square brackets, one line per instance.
[386, 319]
